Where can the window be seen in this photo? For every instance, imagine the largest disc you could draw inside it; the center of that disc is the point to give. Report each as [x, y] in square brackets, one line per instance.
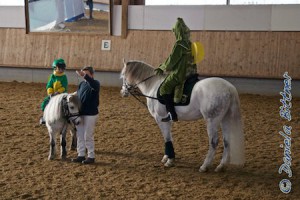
[11, 2]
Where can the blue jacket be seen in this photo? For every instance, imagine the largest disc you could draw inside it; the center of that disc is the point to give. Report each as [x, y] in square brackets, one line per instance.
[88, 93]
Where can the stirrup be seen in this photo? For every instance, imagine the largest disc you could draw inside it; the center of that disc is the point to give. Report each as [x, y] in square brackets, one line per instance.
[169, 118]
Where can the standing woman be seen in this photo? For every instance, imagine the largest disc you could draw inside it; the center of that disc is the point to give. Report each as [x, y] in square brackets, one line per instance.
[88, 93]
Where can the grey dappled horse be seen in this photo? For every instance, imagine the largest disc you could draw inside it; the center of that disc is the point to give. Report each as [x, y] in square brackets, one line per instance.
[61, 110]
[214, 99]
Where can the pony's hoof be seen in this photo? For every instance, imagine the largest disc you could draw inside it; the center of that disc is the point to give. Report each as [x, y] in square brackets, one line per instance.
[170, 163]
[64, 157]
[203, 169]
[164, 159]
[51, 157]
[73, 148]
[220, 168]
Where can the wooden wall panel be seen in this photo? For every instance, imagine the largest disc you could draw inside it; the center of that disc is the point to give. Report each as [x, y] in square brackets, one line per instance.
[236, 54]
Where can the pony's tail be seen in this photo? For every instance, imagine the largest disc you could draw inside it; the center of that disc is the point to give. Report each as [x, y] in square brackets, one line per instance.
[236, 133]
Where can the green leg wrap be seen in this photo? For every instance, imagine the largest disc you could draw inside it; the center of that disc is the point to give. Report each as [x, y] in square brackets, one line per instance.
[45, 102]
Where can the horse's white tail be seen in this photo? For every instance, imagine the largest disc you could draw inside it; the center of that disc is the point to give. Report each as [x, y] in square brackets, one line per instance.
[236, 133]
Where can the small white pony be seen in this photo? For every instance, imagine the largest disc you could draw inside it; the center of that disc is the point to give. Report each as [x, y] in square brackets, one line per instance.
[214, 99]
[62, 109]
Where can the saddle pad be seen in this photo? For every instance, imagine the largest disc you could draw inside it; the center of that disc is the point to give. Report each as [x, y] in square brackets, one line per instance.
[187, 91]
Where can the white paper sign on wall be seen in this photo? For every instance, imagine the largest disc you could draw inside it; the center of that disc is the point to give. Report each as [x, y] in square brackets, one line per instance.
[106, 44]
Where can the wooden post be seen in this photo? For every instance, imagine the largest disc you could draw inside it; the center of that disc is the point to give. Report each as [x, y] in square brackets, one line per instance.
[110, 23]
[124, 18]
[27, 17]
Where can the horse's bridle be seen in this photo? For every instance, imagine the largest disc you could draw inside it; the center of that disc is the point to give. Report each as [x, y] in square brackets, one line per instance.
[134, 91]
[66, 111]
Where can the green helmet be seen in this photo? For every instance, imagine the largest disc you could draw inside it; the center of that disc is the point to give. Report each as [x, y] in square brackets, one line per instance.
[59, 63]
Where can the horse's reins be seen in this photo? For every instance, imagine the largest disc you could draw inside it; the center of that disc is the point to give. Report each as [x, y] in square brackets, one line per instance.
[134, 91]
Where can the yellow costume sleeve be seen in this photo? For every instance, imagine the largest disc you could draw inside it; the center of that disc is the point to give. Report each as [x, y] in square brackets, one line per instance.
[61, 90]
[50, 91]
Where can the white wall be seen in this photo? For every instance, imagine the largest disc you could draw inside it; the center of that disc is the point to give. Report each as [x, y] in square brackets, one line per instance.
[212, 17]
[12, 17]
[112, 79]
[218, 17]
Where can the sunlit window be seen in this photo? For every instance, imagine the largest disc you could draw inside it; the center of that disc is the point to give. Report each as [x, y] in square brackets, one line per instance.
[11, 2]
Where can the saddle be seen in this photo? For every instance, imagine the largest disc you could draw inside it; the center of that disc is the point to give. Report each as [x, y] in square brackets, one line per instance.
[187, 91]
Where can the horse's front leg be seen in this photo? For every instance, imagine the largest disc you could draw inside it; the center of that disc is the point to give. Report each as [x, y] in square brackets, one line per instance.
[52, 145]
[169, 156]
[63, 142]
[74, 138]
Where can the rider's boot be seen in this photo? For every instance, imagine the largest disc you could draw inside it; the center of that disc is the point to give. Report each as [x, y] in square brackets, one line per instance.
[172, 116]
[42, 120]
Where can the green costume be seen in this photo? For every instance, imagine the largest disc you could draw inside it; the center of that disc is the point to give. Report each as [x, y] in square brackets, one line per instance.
[57, 82]
[179, 65]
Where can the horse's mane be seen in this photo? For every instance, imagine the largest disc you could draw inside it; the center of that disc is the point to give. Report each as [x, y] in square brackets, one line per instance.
[137, 71]
[53, 110]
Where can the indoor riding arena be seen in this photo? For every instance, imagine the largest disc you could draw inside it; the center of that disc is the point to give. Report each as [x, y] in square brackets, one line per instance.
[254, 46]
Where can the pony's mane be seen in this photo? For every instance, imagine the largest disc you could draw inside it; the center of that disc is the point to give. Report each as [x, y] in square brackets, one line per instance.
[137, 71]
[53, 110]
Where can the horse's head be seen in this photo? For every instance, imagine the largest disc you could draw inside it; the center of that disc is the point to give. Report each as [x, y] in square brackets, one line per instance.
[71, 108]
[136, 74]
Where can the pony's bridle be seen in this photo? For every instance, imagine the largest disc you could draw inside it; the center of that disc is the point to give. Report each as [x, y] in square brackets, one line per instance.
[66, 111]
[134, 91]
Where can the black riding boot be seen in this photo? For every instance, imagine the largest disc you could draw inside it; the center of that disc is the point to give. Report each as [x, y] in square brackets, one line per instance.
[172, 116]
[42, 120]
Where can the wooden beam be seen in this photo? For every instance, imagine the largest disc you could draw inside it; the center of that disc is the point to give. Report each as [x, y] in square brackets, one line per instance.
[124, 18]
[110, 23]
[27, 17]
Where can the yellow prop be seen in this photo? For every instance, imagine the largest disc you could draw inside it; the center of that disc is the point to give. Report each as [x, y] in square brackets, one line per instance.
[197, 52]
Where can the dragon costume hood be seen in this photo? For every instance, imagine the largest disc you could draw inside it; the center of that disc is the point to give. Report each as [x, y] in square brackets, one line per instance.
[181, 31]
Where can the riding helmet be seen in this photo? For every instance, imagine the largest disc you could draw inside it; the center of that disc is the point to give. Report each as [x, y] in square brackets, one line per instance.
[60, 63]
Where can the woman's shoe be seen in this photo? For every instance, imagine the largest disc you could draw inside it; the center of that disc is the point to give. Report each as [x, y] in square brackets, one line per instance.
[88, 161]
[79, 159]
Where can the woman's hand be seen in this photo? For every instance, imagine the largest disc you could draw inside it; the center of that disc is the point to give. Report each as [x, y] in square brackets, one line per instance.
[80, 73]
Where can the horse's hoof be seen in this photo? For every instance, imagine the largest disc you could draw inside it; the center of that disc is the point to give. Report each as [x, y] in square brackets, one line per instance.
[73, 148]
[164, 159]
[220, 168]
[51, 157]
[170, 163]
[64, 157]
[203, 169]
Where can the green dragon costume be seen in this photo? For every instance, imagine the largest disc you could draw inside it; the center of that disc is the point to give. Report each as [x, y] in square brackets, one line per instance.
[178, 66]
[57, 82]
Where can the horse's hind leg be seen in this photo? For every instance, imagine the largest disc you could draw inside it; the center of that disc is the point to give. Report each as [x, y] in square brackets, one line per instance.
[74, 138]
[212, 130]
[225, 156]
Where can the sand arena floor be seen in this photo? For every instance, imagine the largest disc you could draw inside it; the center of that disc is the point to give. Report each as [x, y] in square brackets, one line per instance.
[129, 148]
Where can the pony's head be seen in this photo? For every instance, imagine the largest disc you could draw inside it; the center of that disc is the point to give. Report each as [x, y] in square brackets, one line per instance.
[71, 108]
